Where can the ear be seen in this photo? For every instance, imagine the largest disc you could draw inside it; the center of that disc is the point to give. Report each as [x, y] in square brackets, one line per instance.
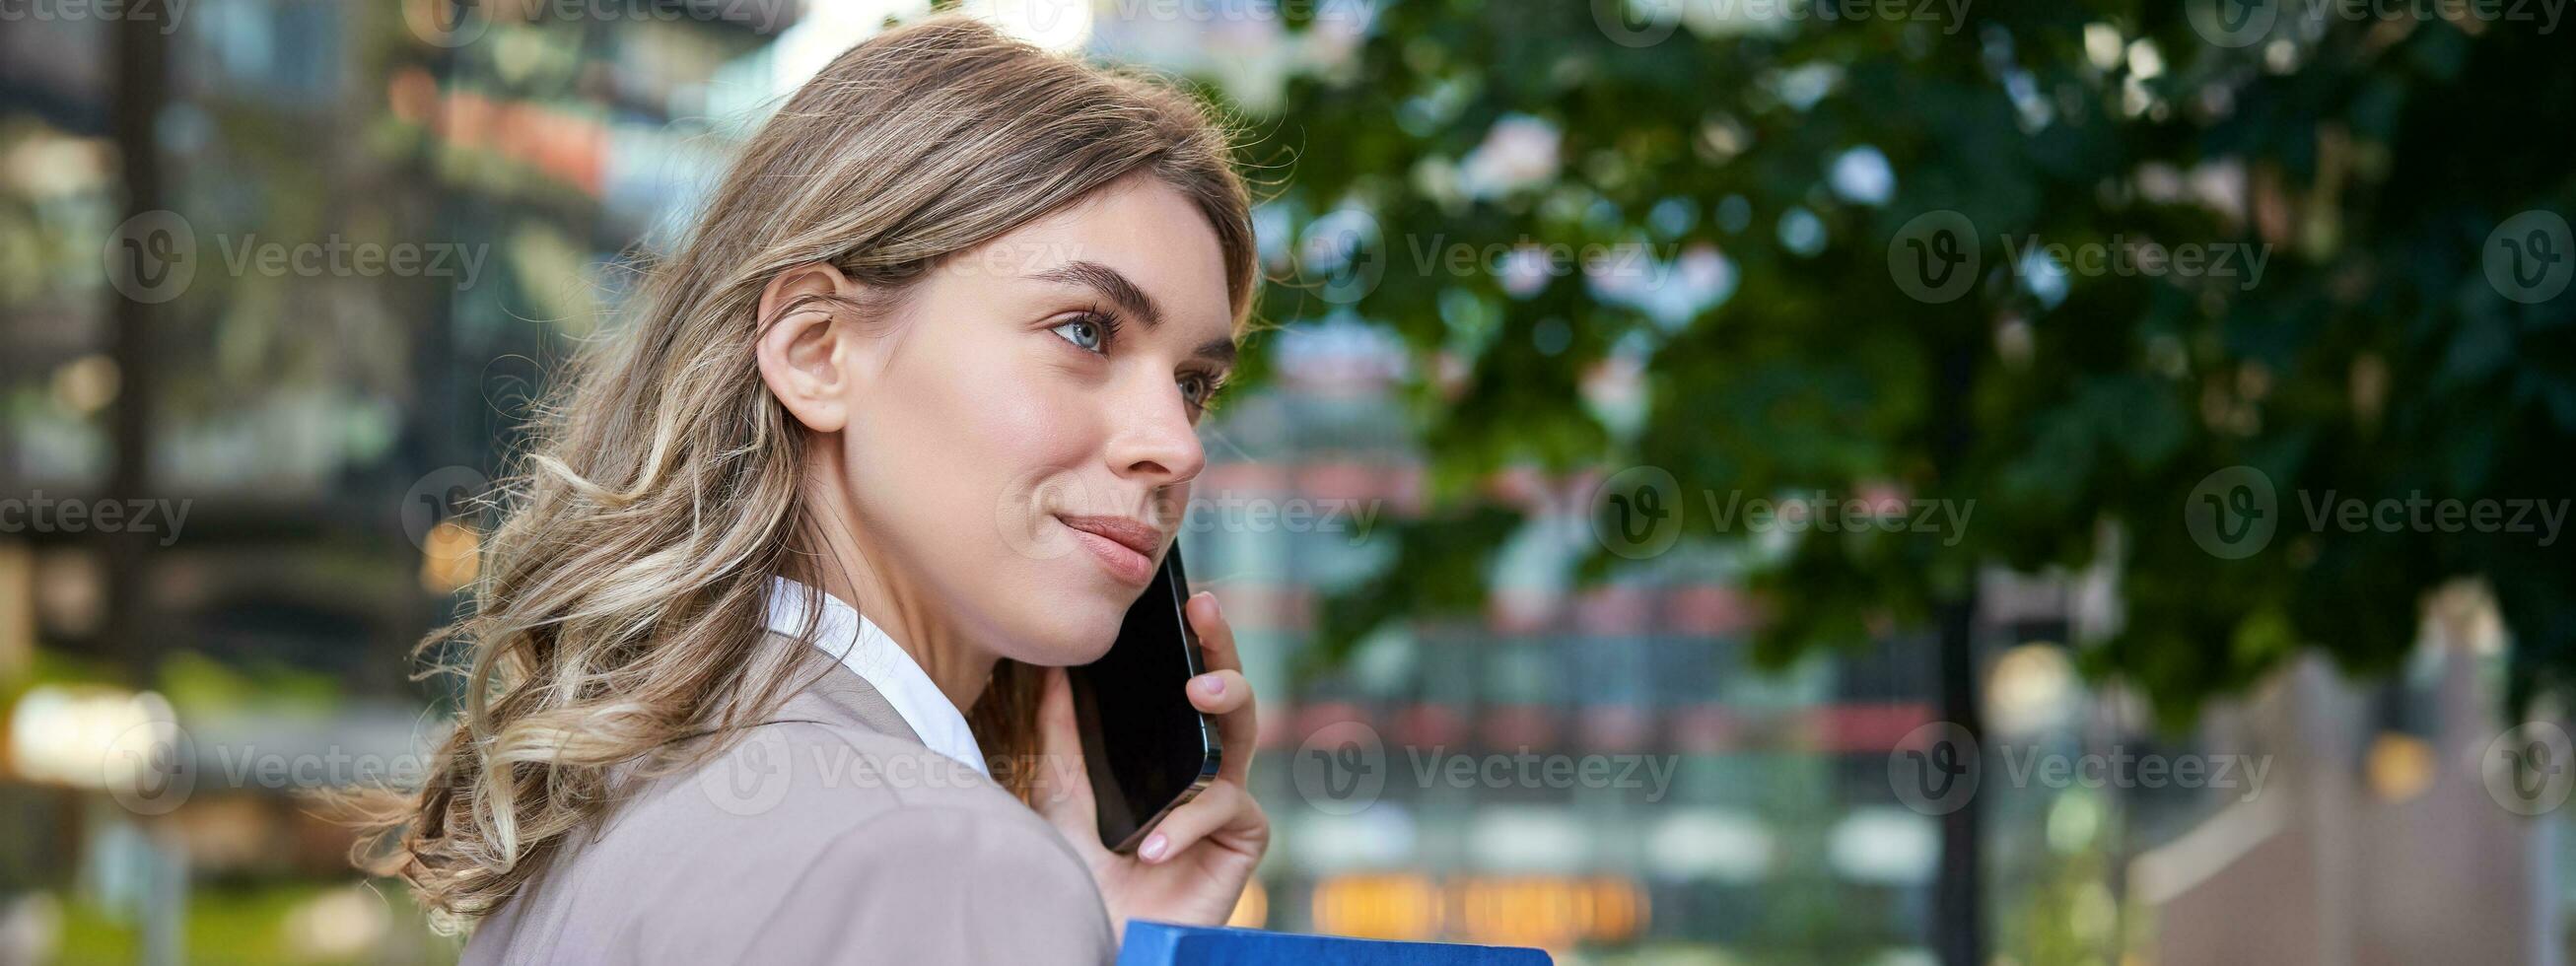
[806, 354]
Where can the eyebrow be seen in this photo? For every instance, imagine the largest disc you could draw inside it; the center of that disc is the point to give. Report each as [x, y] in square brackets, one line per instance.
[1118, 288]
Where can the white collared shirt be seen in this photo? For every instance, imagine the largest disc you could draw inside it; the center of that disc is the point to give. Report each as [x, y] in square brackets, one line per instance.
[864, 648]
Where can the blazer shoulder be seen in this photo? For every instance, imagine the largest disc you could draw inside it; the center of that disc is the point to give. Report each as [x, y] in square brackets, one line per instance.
[792, 820]
[881, 850]
[807, 780]
[939, 883]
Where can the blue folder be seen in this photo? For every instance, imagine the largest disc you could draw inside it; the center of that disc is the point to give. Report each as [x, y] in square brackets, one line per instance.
[1163, 944]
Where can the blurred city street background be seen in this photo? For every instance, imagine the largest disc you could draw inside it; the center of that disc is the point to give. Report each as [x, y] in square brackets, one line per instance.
[1720, 481]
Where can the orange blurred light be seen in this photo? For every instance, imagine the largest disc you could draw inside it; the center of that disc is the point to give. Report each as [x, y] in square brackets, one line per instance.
[1253, 910]
[1549, 912]
[450, 557]
[1399, 906]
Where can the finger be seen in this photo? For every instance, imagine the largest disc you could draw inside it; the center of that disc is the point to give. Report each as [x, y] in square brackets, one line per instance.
[1238, 725]
[1224, 811]
[1216, 637]
[1220, 692]
[1061, 788]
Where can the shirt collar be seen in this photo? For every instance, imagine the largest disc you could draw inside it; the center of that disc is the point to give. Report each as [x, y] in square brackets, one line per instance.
[866, 650]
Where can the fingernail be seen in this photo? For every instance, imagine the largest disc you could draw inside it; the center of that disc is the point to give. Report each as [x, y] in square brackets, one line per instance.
[1154, 847]
[1211, 685]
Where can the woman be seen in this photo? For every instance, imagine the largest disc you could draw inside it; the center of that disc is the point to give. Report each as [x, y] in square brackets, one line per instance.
[766, 664]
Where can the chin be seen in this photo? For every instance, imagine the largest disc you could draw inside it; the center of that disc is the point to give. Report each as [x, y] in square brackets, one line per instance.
[1073, 627]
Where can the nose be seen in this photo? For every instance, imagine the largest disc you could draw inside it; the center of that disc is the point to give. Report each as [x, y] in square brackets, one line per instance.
[1153, 442]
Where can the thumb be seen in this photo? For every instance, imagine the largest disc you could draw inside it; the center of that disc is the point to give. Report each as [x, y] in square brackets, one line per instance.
[1061, 790]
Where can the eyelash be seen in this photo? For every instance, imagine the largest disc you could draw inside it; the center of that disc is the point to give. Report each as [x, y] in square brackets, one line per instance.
[1103, 319]
[1107, 323]
[1215, 384]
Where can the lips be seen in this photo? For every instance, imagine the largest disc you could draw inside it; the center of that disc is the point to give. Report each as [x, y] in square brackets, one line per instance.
[1126, 547]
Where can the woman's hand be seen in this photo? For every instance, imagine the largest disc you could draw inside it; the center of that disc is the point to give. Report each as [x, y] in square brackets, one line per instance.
[1193, 867]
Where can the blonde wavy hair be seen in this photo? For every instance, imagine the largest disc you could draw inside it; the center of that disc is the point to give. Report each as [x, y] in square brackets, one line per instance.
[619, 603]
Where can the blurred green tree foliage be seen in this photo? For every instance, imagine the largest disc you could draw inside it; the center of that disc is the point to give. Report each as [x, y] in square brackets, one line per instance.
[2355, 168]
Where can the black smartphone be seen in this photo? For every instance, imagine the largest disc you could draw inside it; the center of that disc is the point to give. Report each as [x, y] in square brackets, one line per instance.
[1147, 749]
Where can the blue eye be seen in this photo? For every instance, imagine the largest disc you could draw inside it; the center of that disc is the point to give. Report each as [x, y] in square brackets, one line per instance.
[1198, 390]
[1084, 333]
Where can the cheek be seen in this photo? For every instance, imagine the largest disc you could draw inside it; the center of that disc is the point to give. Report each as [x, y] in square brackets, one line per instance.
[1010, 450]
[963, 438]
[1012, 425]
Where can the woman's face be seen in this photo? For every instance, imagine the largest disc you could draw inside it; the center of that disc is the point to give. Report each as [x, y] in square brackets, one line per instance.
[1022, 434]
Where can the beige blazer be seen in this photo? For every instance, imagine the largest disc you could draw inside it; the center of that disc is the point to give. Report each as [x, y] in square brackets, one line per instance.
[828, 835]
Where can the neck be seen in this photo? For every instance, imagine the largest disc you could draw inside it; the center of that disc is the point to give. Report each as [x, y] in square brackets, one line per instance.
[856, 570]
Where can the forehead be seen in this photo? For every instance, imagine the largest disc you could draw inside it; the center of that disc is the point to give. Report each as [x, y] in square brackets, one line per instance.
[1141, 227]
